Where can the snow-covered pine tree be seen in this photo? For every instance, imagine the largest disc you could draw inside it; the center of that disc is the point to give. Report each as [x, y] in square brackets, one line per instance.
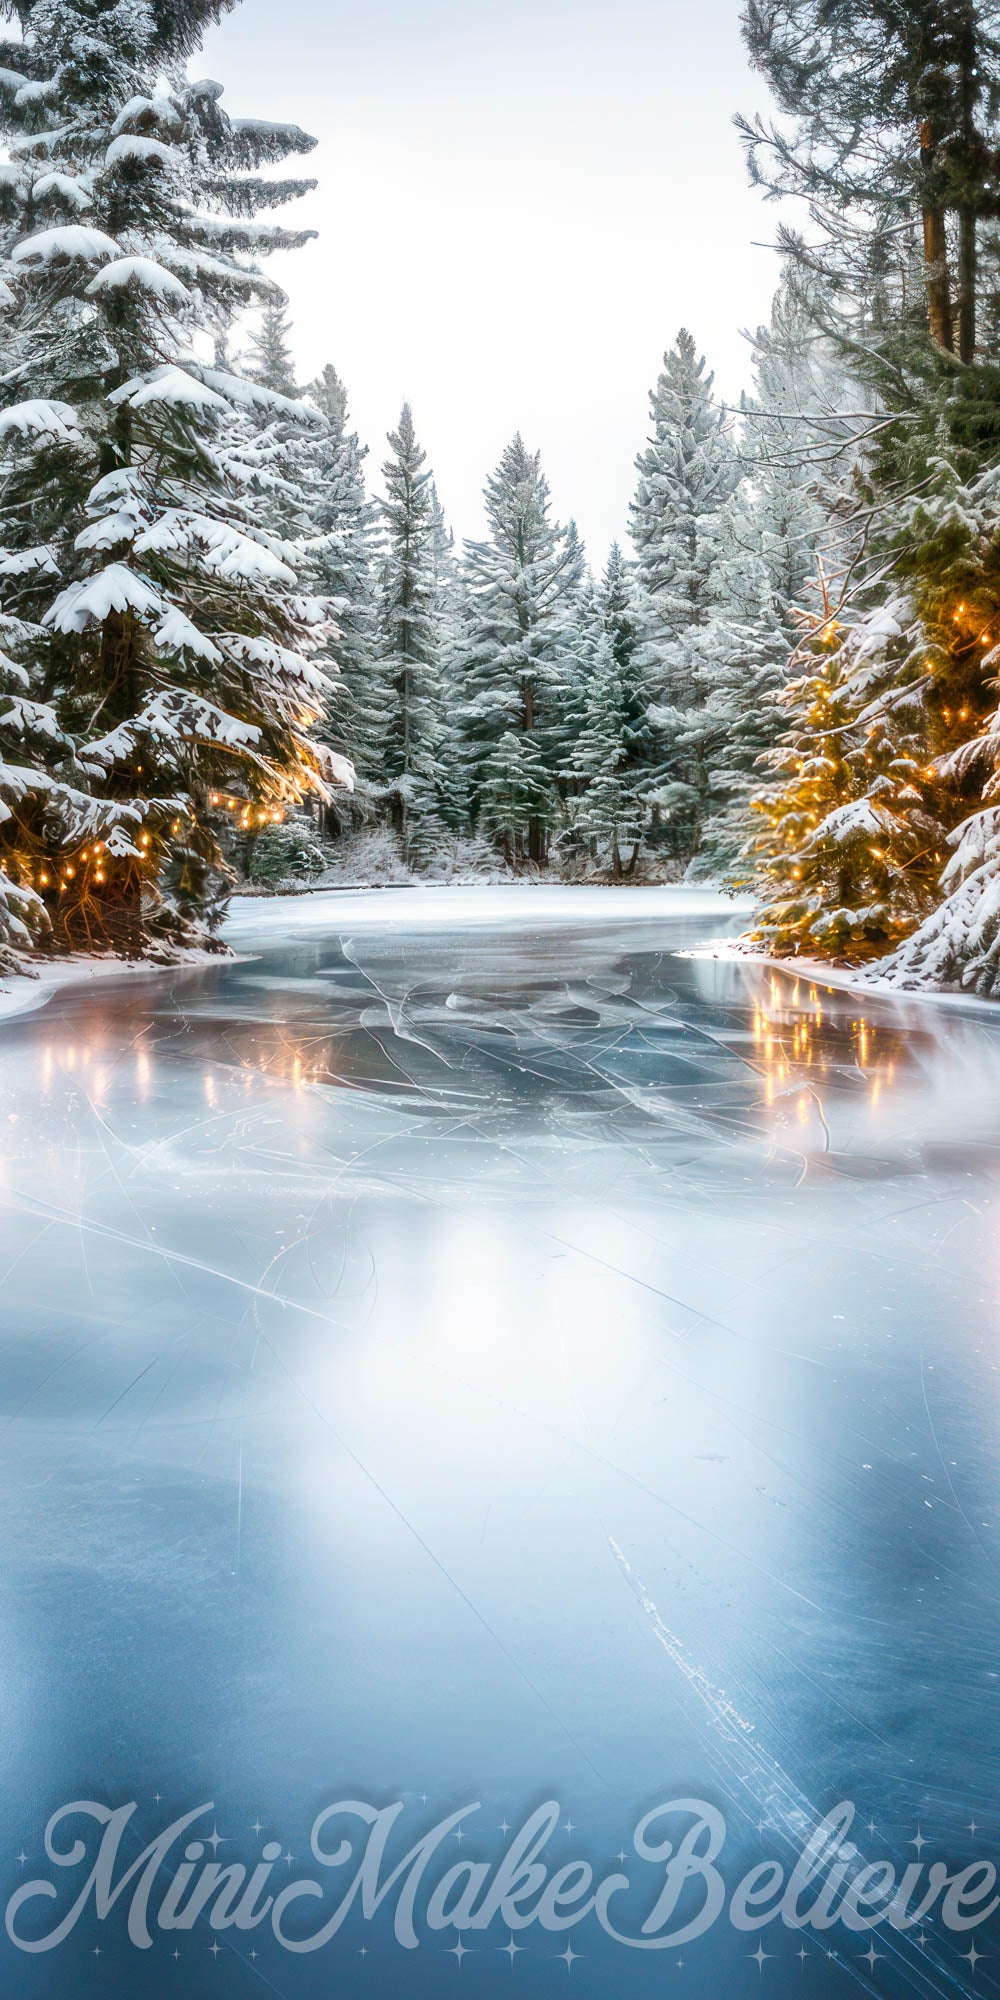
[410, 641]
[894, 742]
[687, 474]
[740, 658]
[361, 704]
[795, 456]
[270, 360]
[607, 813]
[450, 615]
[796, 449]
[521, 665]
[890, 134]
[158, 649]
[851, 846]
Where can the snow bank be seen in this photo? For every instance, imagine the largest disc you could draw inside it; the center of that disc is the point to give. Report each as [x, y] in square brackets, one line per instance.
[44, 977]
[860, 979]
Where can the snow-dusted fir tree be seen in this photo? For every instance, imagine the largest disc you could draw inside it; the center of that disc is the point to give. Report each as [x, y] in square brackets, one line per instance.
[521, 667]
[607, 812]
[740, 656]
[686, 475]
[795, 449]
[849, 845]
[158, 649]
[410, 640]
[360, 706]
[890, 755]
[450, 618]
[271, 360]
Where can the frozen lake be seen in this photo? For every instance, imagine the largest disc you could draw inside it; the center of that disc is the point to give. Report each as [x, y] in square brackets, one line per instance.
[465, 1353]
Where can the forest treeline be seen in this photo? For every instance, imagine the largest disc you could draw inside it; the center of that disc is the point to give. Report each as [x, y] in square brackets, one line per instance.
[226, 649]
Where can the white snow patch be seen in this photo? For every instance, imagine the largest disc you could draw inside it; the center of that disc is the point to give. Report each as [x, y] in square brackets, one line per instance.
[72, 240]
[91, 602]
[40, 418]
[168, 385]
[65, 185]
[150, 152]
[141, 271]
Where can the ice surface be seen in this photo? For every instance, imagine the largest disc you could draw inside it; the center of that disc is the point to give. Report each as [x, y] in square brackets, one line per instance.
[464, 1351]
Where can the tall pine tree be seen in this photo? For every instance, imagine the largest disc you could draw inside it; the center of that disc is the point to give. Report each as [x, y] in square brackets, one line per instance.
[159, 651]
[410, 640]
[358, 717]
[687, 474]
[521, 667]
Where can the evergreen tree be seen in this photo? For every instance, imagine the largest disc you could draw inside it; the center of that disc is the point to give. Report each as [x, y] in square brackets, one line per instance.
[891, 737]
[451, 622]
[159, 650]
[358, 718]
[796, 450]
[893, 138]
[608, 816]
[621, 623]
[740, 656]
[410, 640]
[521, 668]
[687, 474]
[271, 359]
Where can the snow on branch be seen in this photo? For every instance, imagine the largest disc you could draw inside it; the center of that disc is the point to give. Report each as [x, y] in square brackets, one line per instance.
[134, 148]
[115, 589]
[168, 384]
[41, 419]
[218, 546]
[73, 240]
[142, 272]
[174, 719]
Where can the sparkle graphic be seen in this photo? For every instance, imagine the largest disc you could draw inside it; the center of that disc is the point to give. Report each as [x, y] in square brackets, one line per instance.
[972, 1956]
[511, 1949]
[459, 1951]
[569, 1957]
[871, 1957]
[760, 1957]
[918, 1842]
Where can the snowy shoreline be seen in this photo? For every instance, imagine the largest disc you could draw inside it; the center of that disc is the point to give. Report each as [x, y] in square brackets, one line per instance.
[843, 978]
[21, 993]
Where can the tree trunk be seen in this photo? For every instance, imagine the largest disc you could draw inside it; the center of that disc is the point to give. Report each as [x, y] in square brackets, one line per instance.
[967, 262]
[939, 316]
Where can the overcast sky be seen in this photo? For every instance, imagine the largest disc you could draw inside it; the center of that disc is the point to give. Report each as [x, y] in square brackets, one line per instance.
[520, 202]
